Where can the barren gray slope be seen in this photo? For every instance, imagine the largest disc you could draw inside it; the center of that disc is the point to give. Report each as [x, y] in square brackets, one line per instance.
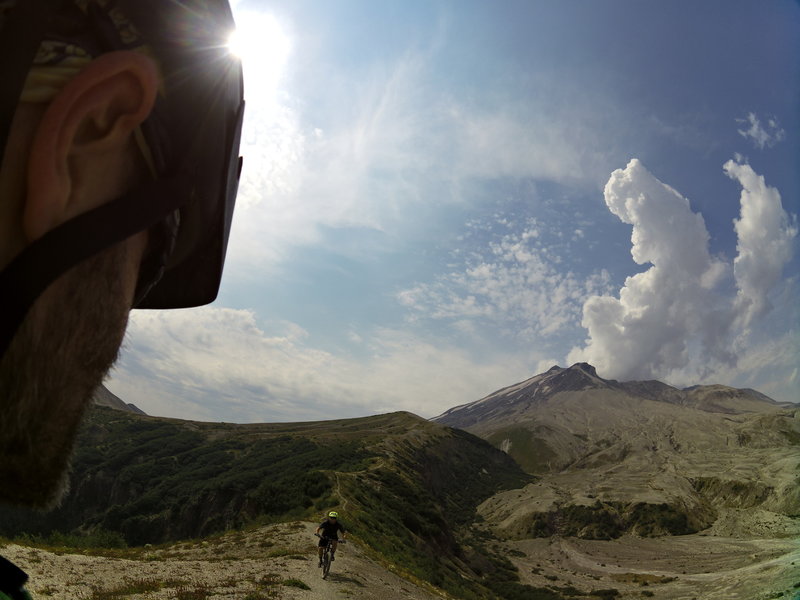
[702, 451]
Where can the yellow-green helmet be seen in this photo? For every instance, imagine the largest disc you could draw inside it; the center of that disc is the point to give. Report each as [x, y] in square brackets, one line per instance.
[333, 514]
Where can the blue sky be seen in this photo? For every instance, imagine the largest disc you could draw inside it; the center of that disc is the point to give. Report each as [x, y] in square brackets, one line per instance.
[441, 198]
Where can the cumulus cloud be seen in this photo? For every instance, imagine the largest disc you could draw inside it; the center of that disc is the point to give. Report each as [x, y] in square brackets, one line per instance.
[673, 320]
[514, 284]
[646, 331]
[219, 364]
[765, 241]
[761, 136]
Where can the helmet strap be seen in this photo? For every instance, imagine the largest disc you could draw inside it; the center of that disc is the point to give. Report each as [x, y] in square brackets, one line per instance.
[62, 248]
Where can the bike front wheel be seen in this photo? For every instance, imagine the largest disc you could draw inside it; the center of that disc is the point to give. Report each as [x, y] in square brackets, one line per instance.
[326, 564]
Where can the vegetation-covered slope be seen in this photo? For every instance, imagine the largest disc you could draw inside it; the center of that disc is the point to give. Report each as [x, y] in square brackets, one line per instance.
[404, 485]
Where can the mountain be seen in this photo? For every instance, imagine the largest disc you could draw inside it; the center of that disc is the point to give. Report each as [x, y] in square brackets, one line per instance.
[521, 399]
[580, 488]
[103, 397]
[640, 457]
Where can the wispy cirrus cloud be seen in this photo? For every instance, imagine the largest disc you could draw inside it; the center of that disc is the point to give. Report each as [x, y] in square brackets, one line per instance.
[762, 136]
[388, 139]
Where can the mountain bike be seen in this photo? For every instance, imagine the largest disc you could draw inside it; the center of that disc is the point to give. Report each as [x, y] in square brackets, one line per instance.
[326, 554]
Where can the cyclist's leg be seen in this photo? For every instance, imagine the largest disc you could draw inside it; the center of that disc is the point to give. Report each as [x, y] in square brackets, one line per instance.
[334, 545]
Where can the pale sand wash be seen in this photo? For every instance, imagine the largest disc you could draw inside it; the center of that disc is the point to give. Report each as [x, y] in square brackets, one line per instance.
[747, 554]
[700, 567]
[678, 568]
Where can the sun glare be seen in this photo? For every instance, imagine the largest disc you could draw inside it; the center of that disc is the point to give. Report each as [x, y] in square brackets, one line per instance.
[263, 46]
[236, 44]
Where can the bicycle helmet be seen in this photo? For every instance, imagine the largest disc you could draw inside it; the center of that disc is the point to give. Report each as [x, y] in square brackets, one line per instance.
[193, 134]
[333, 514]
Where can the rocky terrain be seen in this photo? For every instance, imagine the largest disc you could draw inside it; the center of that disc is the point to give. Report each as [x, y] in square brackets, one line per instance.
[691, 567]
[614, 448]
[277, 561]
[616, 490]
[689, 493]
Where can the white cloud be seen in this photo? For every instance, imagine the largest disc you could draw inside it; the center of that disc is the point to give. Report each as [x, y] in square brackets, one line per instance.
[539, 140]
[765, 241]
[299, 176]
[672, 321]
[768, 365]
[765, 361]
[385, 139]
[217, 364]
[513, 284]
[647, 331]
[272, 141]
[761, 136]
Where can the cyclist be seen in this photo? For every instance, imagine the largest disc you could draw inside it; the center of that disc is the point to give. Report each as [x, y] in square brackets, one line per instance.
[119, 136]
[329, 529]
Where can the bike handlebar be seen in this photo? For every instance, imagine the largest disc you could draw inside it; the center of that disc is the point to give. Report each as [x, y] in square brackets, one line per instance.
[325, 537]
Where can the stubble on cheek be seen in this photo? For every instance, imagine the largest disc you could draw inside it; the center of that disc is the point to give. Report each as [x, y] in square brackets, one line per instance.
[62, 351]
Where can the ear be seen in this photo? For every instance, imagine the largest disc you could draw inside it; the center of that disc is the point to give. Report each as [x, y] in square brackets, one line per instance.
[80, 143]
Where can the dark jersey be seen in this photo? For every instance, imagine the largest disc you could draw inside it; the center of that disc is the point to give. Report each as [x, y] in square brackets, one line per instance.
[330, 529]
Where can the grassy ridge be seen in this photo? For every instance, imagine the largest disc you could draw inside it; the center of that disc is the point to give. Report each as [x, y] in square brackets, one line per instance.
[156, 480]
[415, 507]
[405, 486]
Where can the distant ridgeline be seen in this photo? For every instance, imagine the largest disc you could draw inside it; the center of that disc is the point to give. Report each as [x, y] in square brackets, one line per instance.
[103, 397]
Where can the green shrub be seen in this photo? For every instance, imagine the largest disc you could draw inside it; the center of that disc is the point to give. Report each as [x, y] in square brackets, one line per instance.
[296, 583]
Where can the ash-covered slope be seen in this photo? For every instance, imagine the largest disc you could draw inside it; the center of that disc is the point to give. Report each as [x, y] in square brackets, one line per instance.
[103, 397]
[699, 452]
[520, 399]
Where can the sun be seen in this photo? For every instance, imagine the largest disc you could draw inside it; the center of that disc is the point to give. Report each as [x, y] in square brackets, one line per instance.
[263, 46]
[237, 44]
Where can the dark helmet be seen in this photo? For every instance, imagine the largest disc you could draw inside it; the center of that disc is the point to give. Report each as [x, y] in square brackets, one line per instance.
[192, 133]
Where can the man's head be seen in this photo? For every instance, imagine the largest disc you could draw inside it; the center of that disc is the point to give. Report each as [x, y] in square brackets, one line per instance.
[333, 516]
[97, 198]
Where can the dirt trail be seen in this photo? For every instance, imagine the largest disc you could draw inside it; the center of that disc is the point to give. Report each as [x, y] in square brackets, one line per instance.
[377, 464]
[269, 562]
